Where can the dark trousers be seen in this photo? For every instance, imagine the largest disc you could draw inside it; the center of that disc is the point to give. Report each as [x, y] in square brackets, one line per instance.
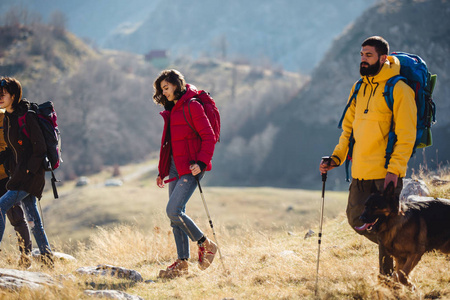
[17, 219]
[359, 191]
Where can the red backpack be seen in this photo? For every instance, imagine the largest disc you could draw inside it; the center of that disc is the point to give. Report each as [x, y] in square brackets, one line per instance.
[211, 111]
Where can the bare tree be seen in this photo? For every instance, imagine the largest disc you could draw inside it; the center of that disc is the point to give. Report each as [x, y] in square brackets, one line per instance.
[18, 15]
[58, 21]
[221, 45]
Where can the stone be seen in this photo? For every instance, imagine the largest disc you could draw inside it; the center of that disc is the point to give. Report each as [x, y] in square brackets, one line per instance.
[413, 187]
[415, 198]
[309, 234]
[16, 279]
[118, 272]
[112, 294]
[56, 255]
[286, 253]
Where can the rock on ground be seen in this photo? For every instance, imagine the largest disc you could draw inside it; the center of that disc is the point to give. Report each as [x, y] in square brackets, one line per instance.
[112, 271]
[112, 294]
[16, 279]
[413, 188]
[56, 255]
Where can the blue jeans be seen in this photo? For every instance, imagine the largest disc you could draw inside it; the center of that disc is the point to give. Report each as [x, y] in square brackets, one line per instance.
[183, 227]
[11, 198]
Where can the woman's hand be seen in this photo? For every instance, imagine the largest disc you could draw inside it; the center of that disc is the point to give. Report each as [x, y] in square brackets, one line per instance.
[159, 182]
[195, 169]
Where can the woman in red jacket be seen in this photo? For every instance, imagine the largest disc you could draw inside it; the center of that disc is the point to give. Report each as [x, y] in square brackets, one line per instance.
[184, 156]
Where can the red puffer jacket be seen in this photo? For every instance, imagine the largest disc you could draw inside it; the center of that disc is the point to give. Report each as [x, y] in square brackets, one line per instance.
[181, 141]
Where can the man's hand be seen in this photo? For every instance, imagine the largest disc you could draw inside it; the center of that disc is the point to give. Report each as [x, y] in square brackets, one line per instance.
[159, 182]
[326, 165]
[390, 177]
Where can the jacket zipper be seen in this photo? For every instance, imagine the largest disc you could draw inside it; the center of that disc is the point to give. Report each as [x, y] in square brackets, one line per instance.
[370, 95]
[9, 140]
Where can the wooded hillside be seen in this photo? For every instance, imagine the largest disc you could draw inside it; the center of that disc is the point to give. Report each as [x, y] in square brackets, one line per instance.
[104, 98]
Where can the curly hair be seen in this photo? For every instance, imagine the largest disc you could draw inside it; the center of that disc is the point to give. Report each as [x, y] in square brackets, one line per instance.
[13, 87]
[174, 77]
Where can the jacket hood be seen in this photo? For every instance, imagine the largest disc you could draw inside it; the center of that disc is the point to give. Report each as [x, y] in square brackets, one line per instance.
[391, 67]
[191, 91]
[22, 107]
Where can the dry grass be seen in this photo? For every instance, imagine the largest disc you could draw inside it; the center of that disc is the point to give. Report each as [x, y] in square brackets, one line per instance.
[261, 265]
[265, 254]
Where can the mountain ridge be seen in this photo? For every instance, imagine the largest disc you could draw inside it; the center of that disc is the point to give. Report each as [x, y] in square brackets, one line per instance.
[292, 34]
[420, 27]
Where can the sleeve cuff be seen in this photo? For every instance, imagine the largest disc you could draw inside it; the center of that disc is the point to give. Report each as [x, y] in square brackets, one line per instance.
[336, 160]
[202, 165]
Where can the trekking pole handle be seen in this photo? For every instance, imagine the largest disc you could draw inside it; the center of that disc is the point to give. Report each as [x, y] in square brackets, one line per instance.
[192, 162]
[326, 159]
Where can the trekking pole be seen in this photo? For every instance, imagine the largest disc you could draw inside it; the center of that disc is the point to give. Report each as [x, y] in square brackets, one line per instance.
[326, 159]
[210, 222]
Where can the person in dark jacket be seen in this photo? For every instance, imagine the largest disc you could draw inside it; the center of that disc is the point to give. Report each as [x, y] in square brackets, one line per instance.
[25, 164]
[15, 213]
[184, 156]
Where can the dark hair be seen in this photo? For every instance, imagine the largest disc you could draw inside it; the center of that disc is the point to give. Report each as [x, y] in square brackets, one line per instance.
[174, 77]
[13, 87]
[380, 44]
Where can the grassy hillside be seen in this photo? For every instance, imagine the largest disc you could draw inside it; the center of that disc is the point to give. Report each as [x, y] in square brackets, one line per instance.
[261, 238]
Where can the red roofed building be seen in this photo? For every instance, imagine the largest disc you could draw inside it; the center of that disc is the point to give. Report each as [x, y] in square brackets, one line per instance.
[158, 58]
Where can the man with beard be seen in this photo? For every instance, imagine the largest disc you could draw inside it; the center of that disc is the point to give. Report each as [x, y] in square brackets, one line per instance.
[365, 128]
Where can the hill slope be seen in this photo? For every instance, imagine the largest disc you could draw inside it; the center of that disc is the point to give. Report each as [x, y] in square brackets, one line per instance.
[290, 33]
[104, 98]
[92, 20]
[307, 124]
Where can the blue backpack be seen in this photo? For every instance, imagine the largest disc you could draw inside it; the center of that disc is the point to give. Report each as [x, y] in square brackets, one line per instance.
[413, 71]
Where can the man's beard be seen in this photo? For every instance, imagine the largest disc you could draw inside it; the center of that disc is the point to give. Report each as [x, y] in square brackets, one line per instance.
[371, 70]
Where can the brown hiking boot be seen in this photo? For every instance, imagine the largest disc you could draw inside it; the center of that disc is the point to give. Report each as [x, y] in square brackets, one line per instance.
[178, 268]
[206, 253]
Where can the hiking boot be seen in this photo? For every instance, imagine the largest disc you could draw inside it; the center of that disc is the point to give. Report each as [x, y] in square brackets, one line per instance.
[178, 268]
[206, 252]
[24, 262]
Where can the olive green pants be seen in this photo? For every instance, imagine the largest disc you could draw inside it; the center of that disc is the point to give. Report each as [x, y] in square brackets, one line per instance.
[359, 191]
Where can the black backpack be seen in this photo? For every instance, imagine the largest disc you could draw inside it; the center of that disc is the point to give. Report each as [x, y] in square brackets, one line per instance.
[48, 122]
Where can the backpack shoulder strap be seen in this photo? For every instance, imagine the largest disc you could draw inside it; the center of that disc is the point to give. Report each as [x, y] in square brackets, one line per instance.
[351, 139]
[353, 97]
[190, 114]
[23, 122]
[389, 90]
[389, 97]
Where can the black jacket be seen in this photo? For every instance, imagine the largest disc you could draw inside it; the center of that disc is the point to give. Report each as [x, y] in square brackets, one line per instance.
[26, 162]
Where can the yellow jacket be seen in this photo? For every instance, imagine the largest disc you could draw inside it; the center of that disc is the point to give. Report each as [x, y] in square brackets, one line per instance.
[370, 118]
[2, 145]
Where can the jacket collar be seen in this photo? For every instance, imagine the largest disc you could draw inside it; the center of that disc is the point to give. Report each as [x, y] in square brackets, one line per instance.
[391, 67]
[191, 92]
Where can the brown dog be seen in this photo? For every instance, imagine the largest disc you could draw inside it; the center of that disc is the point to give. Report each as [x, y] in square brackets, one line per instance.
[407, 230]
